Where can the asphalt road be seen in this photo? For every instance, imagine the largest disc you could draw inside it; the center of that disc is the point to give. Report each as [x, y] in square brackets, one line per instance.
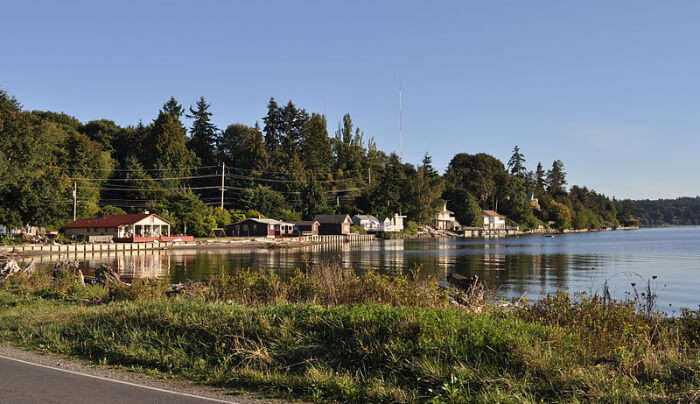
[24, 382]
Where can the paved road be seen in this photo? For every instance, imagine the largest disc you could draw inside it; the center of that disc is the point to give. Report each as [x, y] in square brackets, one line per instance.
[23, 382]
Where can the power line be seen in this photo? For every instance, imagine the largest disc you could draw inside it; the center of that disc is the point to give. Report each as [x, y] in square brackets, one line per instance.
[146, 179]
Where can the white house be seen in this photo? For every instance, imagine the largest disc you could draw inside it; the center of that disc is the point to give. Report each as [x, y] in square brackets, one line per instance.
[493, 220]
[367, 222]
[120, 226]
[393, 224]
[445, 219]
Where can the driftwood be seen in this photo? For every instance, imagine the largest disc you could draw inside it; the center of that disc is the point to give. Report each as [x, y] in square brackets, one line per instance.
[471, 291]
[10, 267]
[62, 269]
[105, 275]
[180, 289]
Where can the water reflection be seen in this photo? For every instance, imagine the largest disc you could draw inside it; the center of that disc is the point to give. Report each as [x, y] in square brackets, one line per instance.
[526, 266]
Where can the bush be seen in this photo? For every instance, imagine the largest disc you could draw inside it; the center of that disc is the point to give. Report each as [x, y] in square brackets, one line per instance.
[357, 229]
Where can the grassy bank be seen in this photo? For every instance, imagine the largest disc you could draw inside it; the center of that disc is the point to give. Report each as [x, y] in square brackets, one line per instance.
[372, 338]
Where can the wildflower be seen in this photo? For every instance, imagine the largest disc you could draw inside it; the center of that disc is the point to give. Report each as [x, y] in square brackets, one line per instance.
[656, 380]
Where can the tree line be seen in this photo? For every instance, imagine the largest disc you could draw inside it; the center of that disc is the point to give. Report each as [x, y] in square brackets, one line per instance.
[662, 212]
[290, 168]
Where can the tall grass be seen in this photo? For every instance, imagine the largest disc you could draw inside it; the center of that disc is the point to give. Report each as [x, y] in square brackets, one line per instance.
[334, 336]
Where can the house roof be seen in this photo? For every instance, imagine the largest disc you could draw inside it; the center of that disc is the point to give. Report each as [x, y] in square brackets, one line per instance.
[336, 219]
[306, 222]
[491, 213]
[264, 221]
[366, 217]
[111, 221]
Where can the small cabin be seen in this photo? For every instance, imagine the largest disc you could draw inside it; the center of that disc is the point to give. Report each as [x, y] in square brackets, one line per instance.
[257, 227]
[306, 228]
[252, 227]
[333, 224]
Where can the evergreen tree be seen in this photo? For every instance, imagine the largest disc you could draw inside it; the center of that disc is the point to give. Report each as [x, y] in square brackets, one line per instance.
[426, 189]
[516, 164]
[294, 120]
[316, 146]
[274, 126]
[203, 133]
[173, 108]
[556, 179]
[540, 178]
[241, 146]
[165, 145]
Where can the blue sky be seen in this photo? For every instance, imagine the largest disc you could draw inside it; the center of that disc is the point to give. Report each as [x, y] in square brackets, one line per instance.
[610, 88]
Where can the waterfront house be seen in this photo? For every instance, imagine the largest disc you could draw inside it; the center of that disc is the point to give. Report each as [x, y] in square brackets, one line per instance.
[534, 202]
[333, 224]
[445, 219]
[393, 224]
[493, 220]
[258, 227]
[139, 227]
[367, 222]
[306, 228]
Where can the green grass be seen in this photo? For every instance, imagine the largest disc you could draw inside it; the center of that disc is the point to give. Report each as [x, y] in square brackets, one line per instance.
[362, 350]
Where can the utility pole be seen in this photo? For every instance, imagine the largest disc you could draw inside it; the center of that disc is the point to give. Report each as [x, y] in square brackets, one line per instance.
[223, 171]
[370, 175]
[75, 199]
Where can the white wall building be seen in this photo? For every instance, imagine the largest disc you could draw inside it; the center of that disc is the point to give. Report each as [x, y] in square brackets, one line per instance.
[367, 222]
[493, 220]
[393, 224]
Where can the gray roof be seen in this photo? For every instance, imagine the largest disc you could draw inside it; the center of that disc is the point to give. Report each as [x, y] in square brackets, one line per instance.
[305, 222]
[331, 218]
[264, 221]
[365, 217]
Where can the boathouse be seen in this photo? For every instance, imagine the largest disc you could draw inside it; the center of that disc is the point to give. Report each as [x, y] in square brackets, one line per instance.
[132, 227]
[333, 224]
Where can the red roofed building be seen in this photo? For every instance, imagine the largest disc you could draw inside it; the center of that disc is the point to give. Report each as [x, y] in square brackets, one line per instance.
[133, 227]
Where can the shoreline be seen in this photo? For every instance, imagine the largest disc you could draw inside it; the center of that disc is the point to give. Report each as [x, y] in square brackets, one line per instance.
[28, 250]
[83, 249]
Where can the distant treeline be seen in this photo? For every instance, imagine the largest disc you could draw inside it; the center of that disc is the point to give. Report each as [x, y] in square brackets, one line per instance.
[681, 211]
[287, 167]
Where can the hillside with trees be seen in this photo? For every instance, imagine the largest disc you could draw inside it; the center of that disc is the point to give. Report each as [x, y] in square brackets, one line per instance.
[288, 167]
[664, 212]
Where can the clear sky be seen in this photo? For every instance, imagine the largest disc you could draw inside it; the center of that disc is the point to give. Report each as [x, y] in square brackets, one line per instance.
[610, 88]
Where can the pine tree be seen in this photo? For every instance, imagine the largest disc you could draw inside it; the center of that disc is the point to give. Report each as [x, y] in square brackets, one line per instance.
[540, 178]
[165, 145]
[556, 178]
[516, 164]
[273, 128]
[173, 108]
[316, 146]
[426, 189]
[203, 134]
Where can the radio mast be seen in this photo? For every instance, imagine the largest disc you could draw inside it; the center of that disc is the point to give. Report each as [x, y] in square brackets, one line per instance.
[401, 120]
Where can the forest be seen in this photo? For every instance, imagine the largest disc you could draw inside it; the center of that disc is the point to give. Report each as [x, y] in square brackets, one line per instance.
[287, 166]
[664, 212]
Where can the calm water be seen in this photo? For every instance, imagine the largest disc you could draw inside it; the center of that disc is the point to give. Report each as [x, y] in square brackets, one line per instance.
[526, 266]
